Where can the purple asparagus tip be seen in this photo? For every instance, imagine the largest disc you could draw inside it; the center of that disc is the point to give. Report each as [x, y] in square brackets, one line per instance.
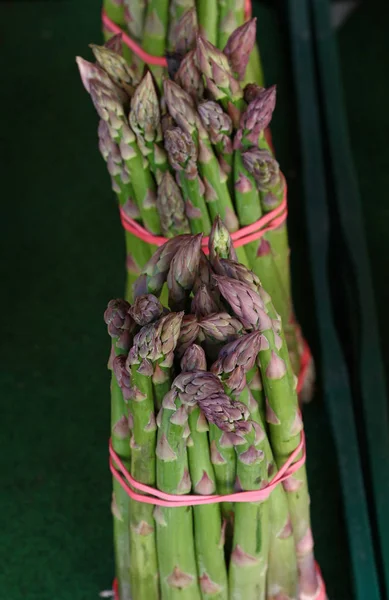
[146, 309]
[119, 321]
[194, 359]
[239, 46]
[263, 167]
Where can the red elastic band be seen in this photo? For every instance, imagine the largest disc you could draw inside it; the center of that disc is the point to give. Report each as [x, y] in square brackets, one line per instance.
[159, 498]
[159, 61]
[305, 361]
[243, 236]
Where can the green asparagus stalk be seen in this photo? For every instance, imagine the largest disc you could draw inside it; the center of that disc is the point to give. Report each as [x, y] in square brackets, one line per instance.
[134, 15]
[171, 208]
[207, 13]
[182, 155]
[239, 47]
[175, 540]
[182, 26]
[155, 31]
[115, 11]
[145, 121]
[109, 105]
[283, 418]
[143, 443]
[120, 326]
[231, 16]
[137, 251]
[207, 519]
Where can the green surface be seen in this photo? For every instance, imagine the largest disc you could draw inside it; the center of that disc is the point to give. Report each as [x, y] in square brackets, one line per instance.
[63, 258]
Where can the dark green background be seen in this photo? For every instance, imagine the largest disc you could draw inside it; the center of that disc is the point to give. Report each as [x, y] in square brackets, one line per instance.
[62, 259]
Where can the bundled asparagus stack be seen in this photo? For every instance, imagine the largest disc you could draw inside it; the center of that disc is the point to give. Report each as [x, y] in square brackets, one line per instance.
[207, 405]
[156, 26]
[179, 161]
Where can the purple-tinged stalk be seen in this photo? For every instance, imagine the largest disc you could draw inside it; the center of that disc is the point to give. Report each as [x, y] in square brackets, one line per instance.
[183, 272]
[189, 78]
[283, 417]
[155, 272]
[219, 128]
[219, 79]
[116, 67]
[145, 121]
[208, 526]
[182, 156]
[239, 47]
[175, 540]
[182, 25]
[171, 208]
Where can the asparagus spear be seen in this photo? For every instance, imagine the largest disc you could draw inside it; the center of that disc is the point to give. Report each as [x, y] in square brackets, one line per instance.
[109, 105]
[171, 208]
[189, 334]
[143, 443]
[153, 351]
[183, 25]
[155, 31]
[219, 79]
[183, 271]
[220, 243]
[137, 251]
[145, 120]
[239, 46]
[255, 119]
[120, 326]
[219, 127]
[116, 67]
[155, 272]
[189, 78]
[207, 13]
[175, 540]
[182, 155]
[204, 303]
[146, 309]
[283, 418]
[207, 519]
[134, 14]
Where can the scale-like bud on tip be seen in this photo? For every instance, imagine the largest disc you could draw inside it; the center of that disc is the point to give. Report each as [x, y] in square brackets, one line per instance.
[216, 122]
[145, 117]
[216, 69]
[171, 207]
[221, 326]
[258, 114]
[146, 309]
[90, 71]
[181, 151]
[223, 412]
[242, 352]
[194, 359]
[220, 243]
[183, 272]
[192, 387]
[183, 35]
[181, 106]
[115, 66]
[189, 77]
[204, 302]
[235, 270]
[119, 321]
[189, 333]
[263, 167]
[115, 44]
[247, 304]
[122, 375]
[239, 46]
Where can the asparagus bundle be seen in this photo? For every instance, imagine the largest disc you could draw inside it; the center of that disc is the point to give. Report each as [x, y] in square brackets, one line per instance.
[192, 419]
[198, 152]
[162, 25]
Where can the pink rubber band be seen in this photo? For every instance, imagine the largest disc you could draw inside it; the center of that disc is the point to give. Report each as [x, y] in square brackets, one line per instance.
[159, 498]
[243, 236]
[305, 361]
[159, 61]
